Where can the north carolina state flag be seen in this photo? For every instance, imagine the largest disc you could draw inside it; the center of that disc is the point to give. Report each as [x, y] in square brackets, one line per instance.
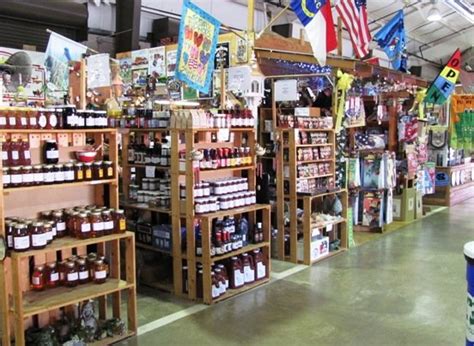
[316, 17]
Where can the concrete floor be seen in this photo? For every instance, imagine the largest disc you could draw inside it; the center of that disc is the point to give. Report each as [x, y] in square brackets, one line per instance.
[404, 288]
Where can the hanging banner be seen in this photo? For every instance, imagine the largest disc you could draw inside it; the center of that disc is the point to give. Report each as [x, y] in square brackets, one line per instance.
[59, 53]
[156, 62]
[198, 34]
[443, 86]
[391, 38]
[98, 71]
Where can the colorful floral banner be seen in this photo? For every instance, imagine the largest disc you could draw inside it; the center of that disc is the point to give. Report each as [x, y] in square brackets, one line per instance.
[198, 34]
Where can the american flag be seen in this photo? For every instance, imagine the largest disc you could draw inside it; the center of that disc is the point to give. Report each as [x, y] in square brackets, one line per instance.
[354, 16]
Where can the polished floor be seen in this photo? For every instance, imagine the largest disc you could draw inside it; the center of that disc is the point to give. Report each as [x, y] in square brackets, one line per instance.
[404, 288]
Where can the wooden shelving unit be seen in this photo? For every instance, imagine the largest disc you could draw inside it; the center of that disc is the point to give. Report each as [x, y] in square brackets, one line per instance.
[17, 301]
[183, 210]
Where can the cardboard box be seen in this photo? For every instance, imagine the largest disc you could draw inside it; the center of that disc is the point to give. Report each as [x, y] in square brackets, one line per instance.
[319, 248]
[404, 205]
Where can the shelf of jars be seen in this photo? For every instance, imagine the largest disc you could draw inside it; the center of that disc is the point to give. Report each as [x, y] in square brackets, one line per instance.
[55, 148]
[225, 227]
[305, 179]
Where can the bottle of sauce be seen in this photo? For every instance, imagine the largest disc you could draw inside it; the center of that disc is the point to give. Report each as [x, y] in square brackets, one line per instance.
[260, 267]
[236, 273]
[21, 238]
[71, 276]
[249, 268]
[38, 236]
[52, 275]
[51, 152]
[38, 278]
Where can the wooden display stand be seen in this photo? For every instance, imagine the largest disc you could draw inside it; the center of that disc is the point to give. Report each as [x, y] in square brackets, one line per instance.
[455, 189]
[26, 307]
[183, 212]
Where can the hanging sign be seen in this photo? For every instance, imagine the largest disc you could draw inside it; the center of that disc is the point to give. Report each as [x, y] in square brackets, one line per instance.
[286, 90]
[239, 78]
[198, 34]
[443, 86]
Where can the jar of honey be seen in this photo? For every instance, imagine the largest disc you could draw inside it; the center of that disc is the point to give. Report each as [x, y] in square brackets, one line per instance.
[71, 276]
[100, 272]
[48, 231]
[84, 226]
[97, 170]
[38, 236]
[97, 224]
[88, 171]
[60, 223]
[108, 222]
[78, 171]
[108, 169]
[38, 278]
[52, 275]
[69, 175]
[120, 221]
[82, 270]
[91, 258]
[38, 175]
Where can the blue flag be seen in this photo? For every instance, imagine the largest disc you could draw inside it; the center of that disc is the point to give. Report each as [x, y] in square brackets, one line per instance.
[391, 38]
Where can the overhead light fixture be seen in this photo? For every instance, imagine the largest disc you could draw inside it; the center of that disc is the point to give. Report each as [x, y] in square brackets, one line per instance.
[434, 15]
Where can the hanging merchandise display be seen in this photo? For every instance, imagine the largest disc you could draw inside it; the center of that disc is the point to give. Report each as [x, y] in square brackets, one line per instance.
[391, 38]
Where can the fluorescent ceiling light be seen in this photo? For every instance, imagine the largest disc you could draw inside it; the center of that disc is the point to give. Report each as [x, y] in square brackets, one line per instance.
[434, 15]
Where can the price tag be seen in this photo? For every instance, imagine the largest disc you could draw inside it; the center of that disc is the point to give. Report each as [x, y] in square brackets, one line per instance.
[223, 135]
[150, 171]
[78, 139]
[3, 138]
[35, 140]
[15, 137]
[329, 227]
[63, 140]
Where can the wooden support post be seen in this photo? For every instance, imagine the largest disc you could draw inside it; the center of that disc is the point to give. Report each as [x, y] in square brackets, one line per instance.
[83, 84]
[293, 198]
[307, 228]
[206, 260]
[130, 272]
[280, 199]
[190, 236]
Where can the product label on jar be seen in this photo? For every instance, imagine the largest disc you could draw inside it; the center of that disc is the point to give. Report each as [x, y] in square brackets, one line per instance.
[36, 280]
[53, 121]
[12, 121]
[28, 178]
[4, 155]
[110, 172]
[238, 278]
[70, 120]
[16, 178]
[90, 122]
[49, 177]
[54, 277]
[85, 227]
[10, 241]
[42, 121]
[6, 179]
[60, 226]
[59, 176]
[69, 175]
[38, 177]
[52, 154]
[3, 121]
[249, 274]
[108, 225]
[122, 225]
[98, 226]
[80, 175]
[21, 243]
[72, 276]
[15, 155]
[215, 291]
[261, 270]
[23, 121]
[222, 288]
[33, 121]
[38, 240]
[83, 275]
[101, 274]
[88, 173]
[52, 234]
[27, 154]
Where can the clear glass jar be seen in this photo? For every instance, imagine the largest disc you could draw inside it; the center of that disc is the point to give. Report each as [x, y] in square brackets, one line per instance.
[27, 175]
[16, 178]
[21, 238]
[97, 170]
[38, 278]
[100, 271]
[48, 174]
[82, 270]
[69, 175]
[120, 221]
[58, 174]
[52, 275]
[38, 236]
[60, 222]
[97, 225]
[38, 175]
[108, 222]
[79, 171]
[6, 177]
[71, 276]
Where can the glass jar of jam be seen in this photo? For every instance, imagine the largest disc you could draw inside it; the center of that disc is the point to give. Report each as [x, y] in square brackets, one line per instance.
[12, 118]
[9, 227]
[51, 119]
[32, 119]
[38, 236]
[108, 169]
[78, 171]
[52, 275]
[38, 278]
[88, 171]
[58, 218]
[91, 258]
[69, 175]
[21, 238]
[108, 222]
[100, 271]
[82, 270]
[6, 177]
[48, 174]
[81, 119]
[14, 153]
[90, 121]
[51, 152]
[97, 170]
[27, 175]
[24, 153]
[84, 226]
[22, 118]
[69, 117]
[120, 221]
[48, 231]
[3, 118]
[58, 174]
[38, 175]
[71, 276]
[41, 118]
[97, 224]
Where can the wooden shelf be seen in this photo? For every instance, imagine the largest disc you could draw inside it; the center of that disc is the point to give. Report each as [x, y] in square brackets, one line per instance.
[37, 302]
[55, 186]
[112, 340]
[235, 211]
[240, 251]
[317, 225]
[69, 243]
[214, 129]
[143, 206]
[233, 292]
[7, 131]
[314, 161]
[151, 248]
[225, 169]
[315, 130]
[136, 129]
[310, 145]
[313, 176]
[141, 165]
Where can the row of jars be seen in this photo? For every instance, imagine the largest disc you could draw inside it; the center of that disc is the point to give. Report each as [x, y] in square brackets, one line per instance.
[141, 118]
[234, 273]
[234, 200]
[228, 185]
[70, 172]
[80, 222]
[65, 117]
[76, 270]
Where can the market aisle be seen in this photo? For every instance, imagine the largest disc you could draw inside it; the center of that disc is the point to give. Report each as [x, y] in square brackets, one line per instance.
[406, 288]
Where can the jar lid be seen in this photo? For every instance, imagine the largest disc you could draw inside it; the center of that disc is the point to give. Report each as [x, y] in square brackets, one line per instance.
[17, 168]
[98, 262]
[48, 166]
[20, 225]
[70, 106]
[39, 267]
[68, 165]
[98, 163]
[119, 211]
[81, 261]
[83, 214]
[88, 164]
[59, 166]
[96, 213]
[78, 164]
[48, 224]
[50, 141]
[106, 211]
[37, 166]
[46, 212]
[91, 255]
[58, 213]
[5, 169]
[37, 224]
[70, 264]
[51, 265]
[108, 162]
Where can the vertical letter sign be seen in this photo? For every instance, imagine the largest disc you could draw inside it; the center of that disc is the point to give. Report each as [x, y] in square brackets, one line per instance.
[198, 35]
